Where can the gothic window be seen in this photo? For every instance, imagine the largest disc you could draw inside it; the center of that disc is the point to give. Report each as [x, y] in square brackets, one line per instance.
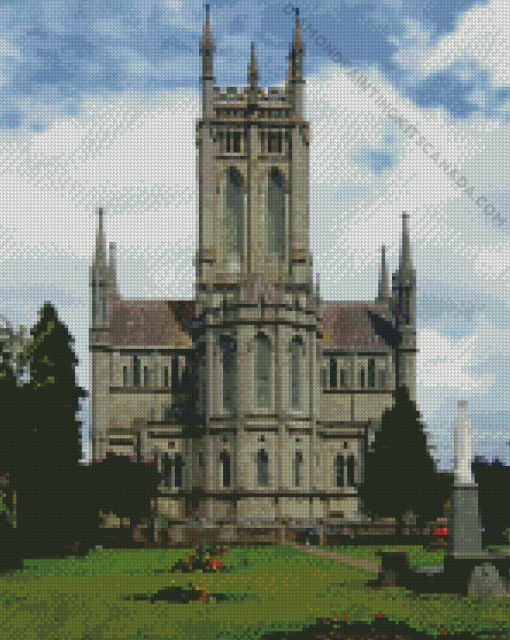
[362, 378]
[382, 379]
[298, 461]
[262, 468]
[339, 464]
[233, 142]
[165, 376]
[178, 470]
[228, 352]
[276, 214]
[166, 470]
[136, 371]
[371, 372]
[333, 373]
[146, 376]
[296, 351]
[233, 213]
[262, 370]
[343, 378]
[225, 468]
[274, 142]
[125, 376]
[350, 471]
[175, 370]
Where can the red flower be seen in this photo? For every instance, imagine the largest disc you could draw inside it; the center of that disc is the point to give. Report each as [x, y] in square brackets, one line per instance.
[441, 532]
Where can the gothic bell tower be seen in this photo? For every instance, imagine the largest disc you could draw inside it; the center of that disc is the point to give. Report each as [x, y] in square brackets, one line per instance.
[257, 310]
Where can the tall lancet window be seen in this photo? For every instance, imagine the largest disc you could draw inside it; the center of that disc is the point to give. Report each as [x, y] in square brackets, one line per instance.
[262, 370]
[276, 214]
[298, 463]
[228, 353]
[178, 469]
[225, 468]
[233, 213]
[262, 468]
[136, 371]
[296, 355]
[350, 471]
[340, 464]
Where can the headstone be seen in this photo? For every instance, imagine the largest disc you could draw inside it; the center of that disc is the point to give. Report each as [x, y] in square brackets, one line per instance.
[486, 581]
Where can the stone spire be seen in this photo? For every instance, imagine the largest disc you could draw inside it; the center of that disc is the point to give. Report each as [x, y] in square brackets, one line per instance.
[99, 276]
[384, 286]
[207, 50]
[253, 75]
[113, 271]
[100, 255]
[406, 269]
[296, 68]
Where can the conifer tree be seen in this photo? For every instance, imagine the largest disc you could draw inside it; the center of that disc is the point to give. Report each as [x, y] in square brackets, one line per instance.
[51, 508]
[400, 473]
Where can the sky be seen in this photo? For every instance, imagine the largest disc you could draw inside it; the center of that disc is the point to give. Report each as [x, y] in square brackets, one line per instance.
[409, 103]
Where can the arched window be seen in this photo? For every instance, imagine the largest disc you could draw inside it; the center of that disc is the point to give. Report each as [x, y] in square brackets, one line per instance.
[136, 371]
[166, 470]
[350, 471]
[233, 213]
[225, 468]
[333, 373]
[125, 376]
[296, 352]
[262, 370]
[228, 352]
[340, 464]
[298, 461]
[362, 378]
[371, 372]
[276, 214]
[178, 470]
[262, 468]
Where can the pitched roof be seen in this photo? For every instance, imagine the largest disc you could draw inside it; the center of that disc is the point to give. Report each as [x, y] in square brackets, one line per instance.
[347, 326]
[153, 323]
[357, 326]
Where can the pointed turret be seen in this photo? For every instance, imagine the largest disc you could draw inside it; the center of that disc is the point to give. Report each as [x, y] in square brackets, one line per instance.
[404, 312]
[296, 70]
[207, 49]
[253, 76]
[383, 294]
[99, 274]
[114, 287]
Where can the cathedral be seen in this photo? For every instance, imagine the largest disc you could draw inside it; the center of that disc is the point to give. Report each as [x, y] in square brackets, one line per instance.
[258, 400]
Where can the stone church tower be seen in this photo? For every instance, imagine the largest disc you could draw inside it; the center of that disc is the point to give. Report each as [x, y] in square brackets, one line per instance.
[258, 400]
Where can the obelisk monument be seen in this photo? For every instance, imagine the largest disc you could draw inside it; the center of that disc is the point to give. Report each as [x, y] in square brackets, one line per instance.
[464, 520]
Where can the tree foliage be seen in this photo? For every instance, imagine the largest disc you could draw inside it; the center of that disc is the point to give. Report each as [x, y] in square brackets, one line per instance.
[400, 473]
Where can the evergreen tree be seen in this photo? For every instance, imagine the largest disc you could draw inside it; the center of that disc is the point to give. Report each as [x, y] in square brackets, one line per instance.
[400, 473]
[51, 507]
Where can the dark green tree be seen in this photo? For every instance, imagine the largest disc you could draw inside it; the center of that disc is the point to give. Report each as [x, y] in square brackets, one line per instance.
[400, 473]
[52, 508]
[124, 487]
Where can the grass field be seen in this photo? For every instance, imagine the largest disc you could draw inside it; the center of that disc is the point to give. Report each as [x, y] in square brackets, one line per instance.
[279, 588]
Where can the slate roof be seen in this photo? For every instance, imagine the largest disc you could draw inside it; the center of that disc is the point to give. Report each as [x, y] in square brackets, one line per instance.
[357, 326]
[347, 326]
[152, 323]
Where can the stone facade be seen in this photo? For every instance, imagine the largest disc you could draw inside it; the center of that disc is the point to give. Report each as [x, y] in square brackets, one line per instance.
[258, 399]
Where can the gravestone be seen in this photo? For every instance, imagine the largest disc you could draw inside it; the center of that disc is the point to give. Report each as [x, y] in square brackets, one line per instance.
[486, 581]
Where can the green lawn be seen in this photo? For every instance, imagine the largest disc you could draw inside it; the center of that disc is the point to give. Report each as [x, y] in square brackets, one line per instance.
[284, 588]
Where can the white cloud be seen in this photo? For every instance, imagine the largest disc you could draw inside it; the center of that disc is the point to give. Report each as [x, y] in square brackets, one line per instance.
[483, 35]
